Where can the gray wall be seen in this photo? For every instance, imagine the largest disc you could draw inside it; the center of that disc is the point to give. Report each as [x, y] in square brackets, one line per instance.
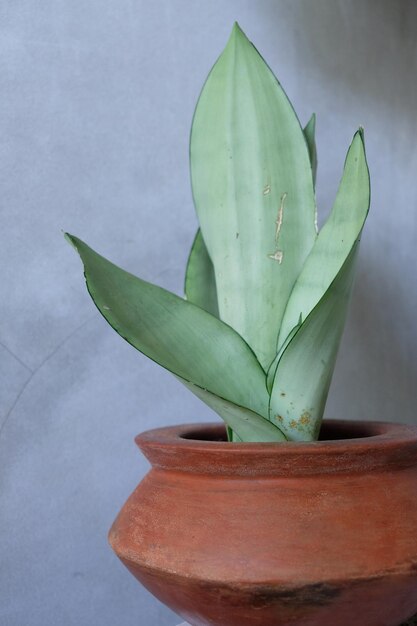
[95, 108]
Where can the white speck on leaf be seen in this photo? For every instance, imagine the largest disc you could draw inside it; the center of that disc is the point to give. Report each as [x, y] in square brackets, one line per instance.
[278, 221]
[277, 256]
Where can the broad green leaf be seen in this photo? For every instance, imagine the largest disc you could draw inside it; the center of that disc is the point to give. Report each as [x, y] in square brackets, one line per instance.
[310, 135]
[253, 192]
[305, 369]
[175, 333]
[200, 282]
[335, 240]
[245, 424]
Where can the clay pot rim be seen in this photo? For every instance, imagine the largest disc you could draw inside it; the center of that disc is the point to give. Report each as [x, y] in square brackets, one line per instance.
[347, 446]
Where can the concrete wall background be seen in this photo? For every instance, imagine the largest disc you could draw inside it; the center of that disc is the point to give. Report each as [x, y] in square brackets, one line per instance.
[95, 110]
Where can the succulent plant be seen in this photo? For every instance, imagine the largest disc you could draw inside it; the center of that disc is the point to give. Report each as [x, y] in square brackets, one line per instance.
[257, 335]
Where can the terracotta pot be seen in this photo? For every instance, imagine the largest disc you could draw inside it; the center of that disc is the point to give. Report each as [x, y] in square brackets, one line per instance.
[307, 534]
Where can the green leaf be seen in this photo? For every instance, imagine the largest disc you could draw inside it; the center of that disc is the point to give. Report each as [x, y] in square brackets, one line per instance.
[175, 333]
[335, 240]
[200, 282]
[305, 369]
[245, 424]
[320, 297]
[253, 192]
[310, 135]
[200, 289]
[273, 367]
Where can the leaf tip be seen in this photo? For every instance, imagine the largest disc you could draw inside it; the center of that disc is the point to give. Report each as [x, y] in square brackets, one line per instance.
[360, 134]
[357, 147]
[237, 35]
[78, 245]
[311, 124]
[236, 30]
[71, 240]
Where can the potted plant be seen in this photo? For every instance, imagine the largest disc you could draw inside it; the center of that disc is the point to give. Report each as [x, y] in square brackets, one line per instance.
[274, 518]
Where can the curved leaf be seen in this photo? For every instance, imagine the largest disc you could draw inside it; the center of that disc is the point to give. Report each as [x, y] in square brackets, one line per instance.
[175, 333]
[246, 425]
[305, 369]
[335, 240]
[200, 282]
[253, 192]
[270, 377]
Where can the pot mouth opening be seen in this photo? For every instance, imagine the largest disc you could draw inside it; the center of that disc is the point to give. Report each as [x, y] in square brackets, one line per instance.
[343, 446]
[331, 430]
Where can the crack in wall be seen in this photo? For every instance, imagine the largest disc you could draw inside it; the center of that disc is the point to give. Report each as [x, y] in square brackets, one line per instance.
[36, 370]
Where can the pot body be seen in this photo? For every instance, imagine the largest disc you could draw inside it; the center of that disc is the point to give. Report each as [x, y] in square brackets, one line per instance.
[307, 534]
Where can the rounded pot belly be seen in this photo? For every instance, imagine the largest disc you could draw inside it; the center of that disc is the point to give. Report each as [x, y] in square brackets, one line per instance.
[303, 534]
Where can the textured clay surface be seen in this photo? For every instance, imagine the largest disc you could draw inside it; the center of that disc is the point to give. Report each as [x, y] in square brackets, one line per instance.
[310, 534]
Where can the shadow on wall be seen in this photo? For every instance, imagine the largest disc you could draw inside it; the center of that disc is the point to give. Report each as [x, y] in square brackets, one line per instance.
[378, 372]
[354, 43]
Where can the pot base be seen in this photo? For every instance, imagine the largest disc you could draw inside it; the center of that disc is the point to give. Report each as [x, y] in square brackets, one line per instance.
[204, 603]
